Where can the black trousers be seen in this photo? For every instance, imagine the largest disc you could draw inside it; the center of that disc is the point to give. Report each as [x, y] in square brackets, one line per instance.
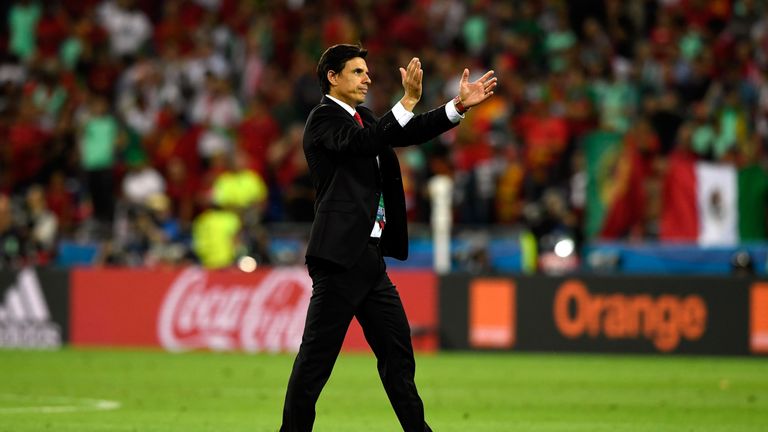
[366, 292]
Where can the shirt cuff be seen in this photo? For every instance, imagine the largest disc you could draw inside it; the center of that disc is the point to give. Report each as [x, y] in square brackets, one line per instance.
[402, 115]
[450, 111]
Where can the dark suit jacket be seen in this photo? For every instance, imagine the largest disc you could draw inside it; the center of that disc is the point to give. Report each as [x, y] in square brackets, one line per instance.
[347, 180]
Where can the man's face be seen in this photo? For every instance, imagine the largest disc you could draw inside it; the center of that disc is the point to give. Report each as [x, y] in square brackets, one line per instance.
[351, 84]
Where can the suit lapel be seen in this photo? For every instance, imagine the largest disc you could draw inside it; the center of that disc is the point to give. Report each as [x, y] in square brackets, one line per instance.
[327, 101]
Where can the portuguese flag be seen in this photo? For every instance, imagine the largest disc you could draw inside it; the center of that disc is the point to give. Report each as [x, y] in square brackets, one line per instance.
[616, 173]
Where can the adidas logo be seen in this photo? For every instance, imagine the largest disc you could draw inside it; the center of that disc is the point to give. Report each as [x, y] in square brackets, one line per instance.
[25, 321]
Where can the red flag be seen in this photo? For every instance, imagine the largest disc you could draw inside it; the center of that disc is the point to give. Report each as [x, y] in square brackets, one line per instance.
[679, 214]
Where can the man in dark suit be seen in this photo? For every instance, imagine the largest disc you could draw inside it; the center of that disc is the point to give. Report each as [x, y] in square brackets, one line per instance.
[359, 219]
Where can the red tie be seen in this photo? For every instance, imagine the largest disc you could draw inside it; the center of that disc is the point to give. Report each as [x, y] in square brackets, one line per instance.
[357, 117]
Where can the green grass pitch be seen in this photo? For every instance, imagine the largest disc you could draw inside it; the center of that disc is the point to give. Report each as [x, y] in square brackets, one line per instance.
[144, 391]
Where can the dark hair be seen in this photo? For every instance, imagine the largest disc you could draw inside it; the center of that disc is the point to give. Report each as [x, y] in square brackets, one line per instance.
[334, 59]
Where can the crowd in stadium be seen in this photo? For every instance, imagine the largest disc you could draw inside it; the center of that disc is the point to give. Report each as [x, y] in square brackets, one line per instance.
[170, 131]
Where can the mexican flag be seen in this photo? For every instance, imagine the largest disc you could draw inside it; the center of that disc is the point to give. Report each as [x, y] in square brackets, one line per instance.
[713, 204]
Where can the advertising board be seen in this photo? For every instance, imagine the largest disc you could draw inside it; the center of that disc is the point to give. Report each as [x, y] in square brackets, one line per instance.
[34, 308]
[190, 309]
[704, 315]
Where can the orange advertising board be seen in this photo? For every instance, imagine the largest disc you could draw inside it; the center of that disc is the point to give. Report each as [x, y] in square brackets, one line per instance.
[596, 313]
[758, 318]
[492, 313]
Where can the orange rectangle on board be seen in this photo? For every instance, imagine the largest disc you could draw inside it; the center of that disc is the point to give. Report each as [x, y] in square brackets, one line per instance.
[492, 313]
[758, 318]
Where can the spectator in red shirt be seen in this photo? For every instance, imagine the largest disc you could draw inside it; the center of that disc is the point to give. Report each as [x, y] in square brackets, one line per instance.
[26, 139]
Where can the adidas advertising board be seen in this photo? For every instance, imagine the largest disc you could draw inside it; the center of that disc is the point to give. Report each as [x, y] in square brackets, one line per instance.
[33, 309]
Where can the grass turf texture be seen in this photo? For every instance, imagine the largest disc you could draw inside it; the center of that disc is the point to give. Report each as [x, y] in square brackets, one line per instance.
[462, 392]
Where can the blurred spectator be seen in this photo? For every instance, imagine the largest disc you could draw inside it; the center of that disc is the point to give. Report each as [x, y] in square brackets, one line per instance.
[552, 216]
[217, 110]
[128, 26]
[172, 28]
[201, 63]
[305, 91]
[257, 134]
[42, 225]
[215, 237]
[559, 40]
[12, 77]
[753, 192]
[12, 244]
[51, 30]
[252, 61]
[242, 190]
[730, 124]
[181, 188]
[141, 182]
[545, 138]
[100, 137]
[172, 140]
[22, 25]
[103, 72]
[79, 42]
[666, 116]
[239, 187]
[49, 95]
[617, 100]
[214, 166]
[169, 248]
[284, 157]
[137, 240]
[61, 200]
[446, 18]
[596, 47]
[299, 195]
[509, 200]
[139, 101]
[26, 142]
[154, 236]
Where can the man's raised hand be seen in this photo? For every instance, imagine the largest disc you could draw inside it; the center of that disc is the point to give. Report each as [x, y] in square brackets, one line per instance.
[473, 93]
[411, 77]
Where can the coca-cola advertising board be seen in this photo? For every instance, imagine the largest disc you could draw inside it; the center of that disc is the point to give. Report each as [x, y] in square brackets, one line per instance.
[192, 308]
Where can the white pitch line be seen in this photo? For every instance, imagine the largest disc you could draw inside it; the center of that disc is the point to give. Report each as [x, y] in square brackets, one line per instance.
[68, 404]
